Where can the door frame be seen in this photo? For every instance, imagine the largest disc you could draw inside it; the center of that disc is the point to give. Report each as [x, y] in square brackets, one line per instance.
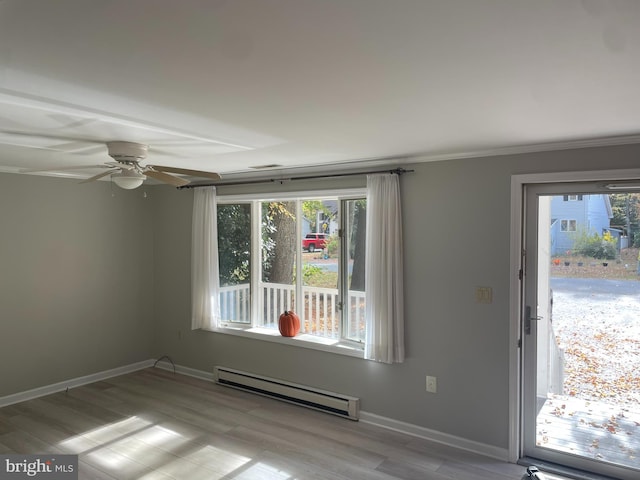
[518, 182]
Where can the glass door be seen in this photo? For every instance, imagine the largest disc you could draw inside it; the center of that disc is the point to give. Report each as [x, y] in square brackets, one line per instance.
[581, 328]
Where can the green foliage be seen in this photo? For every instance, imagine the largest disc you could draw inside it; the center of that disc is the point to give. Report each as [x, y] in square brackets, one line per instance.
[234, 247]
[309, 272]
[310, 209]
[626, 214]
[596, 246]
[331, 246]
[267, 230]
[316, 276]
[234, 239]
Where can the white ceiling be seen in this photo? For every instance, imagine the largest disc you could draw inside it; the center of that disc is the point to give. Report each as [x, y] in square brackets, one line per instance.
[227, 85]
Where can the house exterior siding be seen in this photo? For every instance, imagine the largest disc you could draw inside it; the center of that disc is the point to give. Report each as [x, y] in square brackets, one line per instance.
[591, 213]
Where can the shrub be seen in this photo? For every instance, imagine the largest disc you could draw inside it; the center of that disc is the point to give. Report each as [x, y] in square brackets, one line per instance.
[309, 272]
[595, 246]
[333, 242]
[316, 276]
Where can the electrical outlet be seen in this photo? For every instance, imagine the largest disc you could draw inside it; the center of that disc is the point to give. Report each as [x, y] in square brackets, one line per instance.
[432, 384]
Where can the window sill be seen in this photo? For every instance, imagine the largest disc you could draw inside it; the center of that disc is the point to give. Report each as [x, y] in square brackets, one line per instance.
[302, 340]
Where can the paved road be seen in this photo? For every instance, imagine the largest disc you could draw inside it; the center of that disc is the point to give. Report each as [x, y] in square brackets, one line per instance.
[331, 266]
[588, 287]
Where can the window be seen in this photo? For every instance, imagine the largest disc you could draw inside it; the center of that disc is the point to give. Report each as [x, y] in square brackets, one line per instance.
[234, 259]
[304, 254]
[572, 198]
[567, 225]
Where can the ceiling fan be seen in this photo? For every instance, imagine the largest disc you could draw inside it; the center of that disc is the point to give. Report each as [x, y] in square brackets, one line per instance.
[127, 173]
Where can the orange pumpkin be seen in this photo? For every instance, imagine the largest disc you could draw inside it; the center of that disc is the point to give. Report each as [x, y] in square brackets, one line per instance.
[289, 324]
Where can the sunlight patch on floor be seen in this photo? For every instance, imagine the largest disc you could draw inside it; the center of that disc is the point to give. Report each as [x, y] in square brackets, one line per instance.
[221, 461]
[104, 434]
[158, 436]
[261, 471]
[108, 433]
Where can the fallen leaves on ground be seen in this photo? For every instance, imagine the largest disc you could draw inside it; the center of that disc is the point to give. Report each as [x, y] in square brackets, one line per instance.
[600, 338]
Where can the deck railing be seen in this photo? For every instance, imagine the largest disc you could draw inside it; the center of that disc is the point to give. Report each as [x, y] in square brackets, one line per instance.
[235, 303]
[319, 312]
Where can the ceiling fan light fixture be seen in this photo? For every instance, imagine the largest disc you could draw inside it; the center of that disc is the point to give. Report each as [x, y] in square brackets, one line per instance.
[128, 179]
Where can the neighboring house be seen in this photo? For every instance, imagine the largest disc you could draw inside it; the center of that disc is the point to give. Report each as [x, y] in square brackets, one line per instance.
[325, 224]
[571, 214]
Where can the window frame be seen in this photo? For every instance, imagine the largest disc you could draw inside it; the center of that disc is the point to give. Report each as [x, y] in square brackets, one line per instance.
[341, 344]
[573, 197]
[568, 222]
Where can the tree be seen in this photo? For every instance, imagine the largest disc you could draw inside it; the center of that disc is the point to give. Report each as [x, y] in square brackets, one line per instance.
[626, 214]
[310, 209]
[357, 249]
[234, 243]
[278, 241]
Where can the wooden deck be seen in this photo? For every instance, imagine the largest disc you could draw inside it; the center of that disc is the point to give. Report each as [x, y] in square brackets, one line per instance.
[595, 430]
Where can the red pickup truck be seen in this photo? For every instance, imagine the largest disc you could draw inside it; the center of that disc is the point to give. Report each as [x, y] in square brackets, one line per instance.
[314, 241]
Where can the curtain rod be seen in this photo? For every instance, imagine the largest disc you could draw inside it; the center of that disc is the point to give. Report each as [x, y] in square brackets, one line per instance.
[395, 171]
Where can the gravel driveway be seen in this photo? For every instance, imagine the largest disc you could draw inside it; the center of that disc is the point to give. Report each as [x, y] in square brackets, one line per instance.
[597, 324]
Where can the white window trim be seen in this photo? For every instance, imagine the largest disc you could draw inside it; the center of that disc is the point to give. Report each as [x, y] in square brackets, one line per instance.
[569, 220]
[302, 340]
[339, 346]
[346, 194]
[518, 182]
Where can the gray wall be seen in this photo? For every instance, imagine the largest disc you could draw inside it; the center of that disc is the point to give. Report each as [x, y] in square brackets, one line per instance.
[75, 280]
[86, 275]
[456, 234]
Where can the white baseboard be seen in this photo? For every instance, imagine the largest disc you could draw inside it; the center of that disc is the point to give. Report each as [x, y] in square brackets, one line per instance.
[191, 372]
[385, 422]
[365, 417]
[74, 382]
[436, 436]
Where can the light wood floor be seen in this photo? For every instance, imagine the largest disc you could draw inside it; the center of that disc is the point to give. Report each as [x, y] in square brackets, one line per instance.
[154, 424]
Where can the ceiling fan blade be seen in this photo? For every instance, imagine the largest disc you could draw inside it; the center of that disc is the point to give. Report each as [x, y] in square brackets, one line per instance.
[185, 171]
[166, 178]
[124, 166]
[100, 175]
[58, 169]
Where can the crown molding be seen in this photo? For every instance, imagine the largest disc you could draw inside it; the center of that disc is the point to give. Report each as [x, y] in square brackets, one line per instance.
[401, 159]
[529, 148]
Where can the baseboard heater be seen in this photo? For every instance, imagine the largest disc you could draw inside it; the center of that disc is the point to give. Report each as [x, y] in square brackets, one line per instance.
[334, 403]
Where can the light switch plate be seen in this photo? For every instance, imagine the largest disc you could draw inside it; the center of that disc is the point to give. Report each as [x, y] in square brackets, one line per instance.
[484, 295]
[432, 384]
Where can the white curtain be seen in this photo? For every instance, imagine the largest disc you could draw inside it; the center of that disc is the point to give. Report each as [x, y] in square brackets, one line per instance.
[205, 281]
[383, 272]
